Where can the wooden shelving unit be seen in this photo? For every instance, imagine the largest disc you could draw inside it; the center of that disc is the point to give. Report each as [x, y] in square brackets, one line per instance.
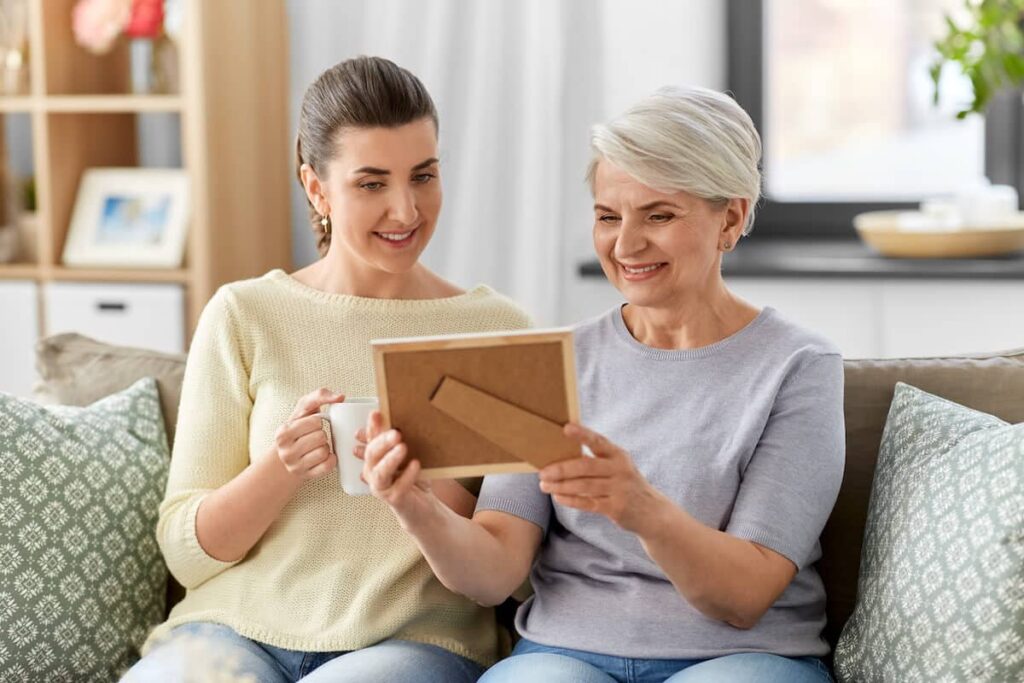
[233, 58]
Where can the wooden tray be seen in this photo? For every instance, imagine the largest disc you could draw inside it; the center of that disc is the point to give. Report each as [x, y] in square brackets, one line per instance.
[881, 231]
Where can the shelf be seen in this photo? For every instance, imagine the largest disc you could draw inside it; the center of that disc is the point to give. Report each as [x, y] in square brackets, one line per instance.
[19, 271]
[83, 114]
[102, 104]
[117, 275]
[17, 104]
[92, 104]
[29, 271]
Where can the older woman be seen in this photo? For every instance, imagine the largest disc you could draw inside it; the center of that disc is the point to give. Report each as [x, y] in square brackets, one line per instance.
[685, 549]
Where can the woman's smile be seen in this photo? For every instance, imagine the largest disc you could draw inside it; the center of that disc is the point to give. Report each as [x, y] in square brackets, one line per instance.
[398, 239]
[641, 271]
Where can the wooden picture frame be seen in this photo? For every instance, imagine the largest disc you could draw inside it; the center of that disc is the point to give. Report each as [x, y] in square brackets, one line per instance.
[474, 404]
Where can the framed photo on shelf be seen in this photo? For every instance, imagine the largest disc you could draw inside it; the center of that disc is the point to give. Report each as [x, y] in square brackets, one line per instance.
[129, 218]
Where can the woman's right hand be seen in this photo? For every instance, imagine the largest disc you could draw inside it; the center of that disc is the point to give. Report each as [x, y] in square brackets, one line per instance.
[301, 442]
[383, 456]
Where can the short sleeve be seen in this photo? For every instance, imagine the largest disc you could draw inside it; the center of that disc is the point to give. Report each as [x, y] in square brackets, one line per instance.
[792, 480]
[516, 494]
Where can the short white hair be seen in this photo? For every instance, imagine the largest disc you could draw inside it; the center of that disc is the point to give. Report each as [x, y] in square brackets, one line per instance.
[685, 139]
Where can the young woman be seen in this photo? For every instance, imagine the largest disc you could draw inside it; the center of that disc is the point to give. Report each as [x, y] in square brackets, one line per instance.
[287, 576]
[683, 551]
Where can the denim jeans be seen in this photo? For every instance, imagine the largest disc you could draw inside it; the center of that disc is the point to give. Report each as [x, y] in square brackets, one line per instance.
[212, 652]
[534, 662]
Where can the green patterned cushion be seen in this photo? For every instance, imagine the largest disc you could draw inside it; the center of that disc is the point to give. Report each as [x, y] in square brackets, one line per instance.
[81, 577]
[941, 589]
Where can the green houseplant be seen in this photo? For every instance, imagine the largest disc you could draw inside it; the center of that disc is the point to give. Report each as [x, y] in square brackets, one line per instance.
[989, 48]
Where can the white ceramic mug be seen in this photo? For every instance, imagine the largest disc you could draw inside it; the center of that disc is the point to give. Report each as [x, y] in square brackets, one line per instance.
[346, 419]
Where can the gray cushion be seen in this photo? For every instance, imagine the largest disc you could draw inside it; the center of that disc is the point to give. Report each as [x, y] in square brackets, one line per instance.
[82, 580]
[992, 383]
[76, 370]
[941, 589]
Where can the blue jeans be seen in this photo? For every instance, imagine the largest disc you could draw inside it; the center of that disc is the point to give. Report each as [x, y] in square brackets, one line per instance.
[204, 651]
[535, 662]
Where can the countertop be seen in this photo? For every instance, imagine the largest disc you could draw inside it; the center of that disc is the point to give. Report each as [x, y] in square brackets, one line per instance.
[846, 259]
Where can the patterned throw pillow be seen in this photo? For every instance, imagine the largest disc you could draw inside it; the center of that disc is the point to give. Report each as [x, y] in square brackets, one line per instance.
[81, 577]
[941, 589]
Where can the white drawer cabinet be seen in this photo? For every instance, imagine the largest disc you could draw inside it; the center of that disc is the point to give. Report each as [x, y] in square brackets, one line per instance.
[150, 316]
[844, 311]
[940, 317]
[19, 330]
[899, 318]
[872, 318]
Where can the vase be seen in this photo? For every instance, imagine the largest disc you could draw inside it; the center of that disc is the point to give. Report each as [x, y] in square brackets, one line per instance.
[8, 243]
[28, 237]
[13, 47]
[154, 65]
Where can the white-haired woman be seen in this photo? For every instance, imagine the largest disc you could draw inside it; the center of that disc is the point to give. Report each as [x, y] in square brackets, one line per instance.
[685, 550]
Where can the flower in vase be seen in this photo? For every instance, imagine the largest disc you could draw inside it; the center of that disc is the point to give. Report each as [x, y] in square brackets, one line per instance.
[97, 23]
[174, 18]
[147, 19]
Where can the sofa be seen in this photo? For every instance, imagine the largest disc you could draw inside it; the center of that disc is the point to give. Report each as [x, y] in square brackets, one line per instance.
[994, 383]
[991, 383]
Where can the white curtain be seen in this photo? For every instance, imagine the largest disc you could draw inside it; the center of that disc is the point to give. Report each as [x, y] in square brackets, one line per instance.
[517, 84]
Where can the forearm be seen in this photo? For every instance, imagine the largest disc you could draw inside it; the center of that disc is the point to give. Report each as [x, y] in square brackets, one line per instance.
[465, 556]
[717, 573]
[231, 519]
[455, 496]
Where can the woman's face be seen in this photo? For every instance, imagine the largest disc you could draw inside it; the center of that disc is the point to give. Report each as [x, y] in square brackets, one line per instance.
[383, 190]
[656, 247]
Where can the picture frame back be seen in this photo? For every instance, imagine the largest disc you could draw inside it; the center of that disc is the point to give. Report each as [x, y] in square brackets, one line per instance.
[475, 404]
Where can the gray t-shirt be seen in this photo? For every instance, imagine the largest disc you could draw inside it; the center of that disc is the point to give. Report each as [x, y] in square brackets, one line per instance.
[746, 435]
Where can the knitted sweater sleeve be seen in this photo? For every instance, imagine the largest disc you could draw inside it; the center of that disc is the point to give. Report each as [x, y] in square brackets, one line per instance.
[211, 446]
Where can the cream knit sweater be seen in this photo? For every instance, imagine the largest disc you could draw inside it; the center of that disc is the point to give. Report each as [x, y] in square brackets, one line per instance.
[334, 572]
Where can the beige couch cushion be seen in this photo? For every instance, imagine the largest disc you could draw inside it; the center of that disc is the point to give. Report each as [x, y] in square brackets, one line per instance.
[991, 383]
[76, 370]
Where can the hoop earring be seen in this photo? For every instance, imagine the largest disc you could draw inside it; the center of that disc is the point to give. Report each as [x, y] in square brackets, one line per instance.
[325, 223]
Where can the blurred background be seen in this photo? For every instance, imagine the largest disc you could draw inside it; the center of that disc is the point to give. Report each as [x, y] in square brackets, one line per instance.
[843, 92]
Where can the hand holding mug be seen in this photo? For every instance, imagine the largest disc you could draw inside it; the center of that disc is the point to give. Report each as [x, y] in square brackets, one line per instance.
[301, 442]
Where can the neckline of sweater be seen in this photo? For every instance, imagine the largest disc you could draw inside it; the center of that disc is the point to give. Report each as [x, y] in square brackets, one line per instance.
[279, 276]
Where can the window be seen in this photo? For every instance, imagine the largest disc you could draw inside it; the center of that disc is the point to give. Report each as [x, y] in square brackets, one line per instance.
[841, 93]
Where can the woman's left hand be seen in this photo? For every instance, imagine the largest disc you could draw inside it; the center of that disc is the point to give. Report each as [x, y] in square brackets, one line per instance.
[608, 483]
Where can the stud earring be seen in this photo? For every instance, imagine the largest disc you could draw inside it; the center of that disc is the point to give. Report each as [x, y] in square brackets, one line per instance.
[727, 245]
[325, 223]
